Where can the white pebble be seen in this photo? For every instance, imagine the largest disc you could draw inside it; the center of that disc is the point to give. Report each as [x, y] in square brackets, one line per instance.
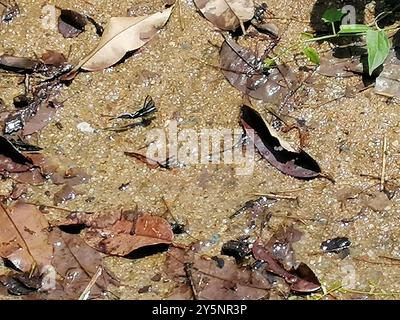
[85, 127]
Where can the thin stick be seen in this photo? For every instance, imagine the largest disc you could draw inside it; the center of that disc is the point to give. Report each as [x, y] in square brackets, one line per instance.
[86, 292]
[181, 24]
[384, 154]
[275, 196]
[376, 262]
[289, 217]
[390, 258]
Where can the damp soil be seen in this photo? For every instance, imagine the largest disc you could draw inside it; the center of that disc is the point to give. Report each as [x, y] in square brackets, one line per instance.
[175, 69]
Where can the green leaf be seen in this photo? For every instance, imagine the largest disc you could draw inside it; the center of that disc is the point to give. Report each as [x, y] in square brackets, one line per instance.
[306, 36]
[312, 54]
[378, 48]
[269, 63]
[353, 28]
[332, 15]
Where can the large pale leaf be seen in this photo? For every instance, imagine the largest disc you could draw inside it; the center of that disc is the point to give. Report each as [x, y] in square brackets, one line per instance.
[121, 35]
[226, 14]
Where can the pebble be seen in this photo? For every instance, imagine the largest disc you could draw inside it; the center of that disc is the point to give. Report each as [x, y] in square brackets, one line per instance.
[85, 127]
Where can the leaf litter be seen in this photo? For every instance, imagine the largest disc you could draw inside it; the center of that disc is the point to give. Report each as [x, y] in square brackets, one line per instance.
[244, 70]
[37, 247]
[227, 14]
[122, 35]
[276, 150]
[124, 233]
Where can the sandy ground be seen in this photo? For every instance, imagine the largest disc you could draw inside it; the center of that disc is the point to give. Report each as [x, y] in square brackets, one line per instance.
[174, 68]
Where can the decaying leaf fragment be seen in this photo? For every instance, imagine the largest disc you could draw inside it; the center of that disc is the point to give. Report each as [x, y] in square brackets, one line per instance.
[387, 83]
[122, 35]
[301, 279]
[245, 72]
[71, 23]
[209, 279]
[226, 14]
[24, 238]
[275, 150]
[331, 66]
[77, 263]
[124, 233]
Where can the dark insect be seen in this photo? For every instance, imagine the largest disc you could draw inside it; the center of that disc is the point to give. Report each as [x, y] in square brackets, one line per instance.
[11, 10]
[260, 11]
[148, 108]
[296, 164]
[219, 261]
[22, 101]
[20, 285]
[339, 245]
[145, 289]
[169, 163]
[253, 204]
[178, 228]
[237, 249]
[124, 186]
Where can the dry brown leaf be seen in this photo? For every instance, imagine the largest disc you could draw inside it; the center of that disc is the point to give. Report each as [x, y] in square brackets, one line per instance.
[24, 237]
[226, 14]
[208, 280]
[126, 236]
[76, 262]
[243, 70]
[376, 201]
[294, 278]
[121, 233]
[122, 35]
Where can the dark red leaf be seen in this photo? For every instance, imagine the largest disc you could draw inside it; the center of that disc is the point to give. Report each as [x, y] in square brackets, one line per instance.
[296, 164]
[244, 71]
[71, 23]
[205, 279]
[294, 279]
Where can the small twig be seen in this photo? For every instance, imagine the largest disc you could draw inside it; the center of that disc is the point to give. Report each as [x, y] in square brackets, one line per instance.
[85, 294]
[181, 24]
[289, 217]
[376, 262]
[384, 154]
[188, 270]
[275, 196]
[390, 258]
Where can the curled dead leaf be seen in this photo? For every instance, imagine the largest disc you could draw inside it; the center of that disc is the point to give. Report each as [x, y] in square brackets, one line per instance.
[226, 14]
[122, 35]
[275, 150]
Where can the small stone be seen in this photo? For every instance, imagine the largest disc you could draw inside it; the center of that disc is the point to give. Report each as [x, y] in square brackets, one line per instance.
[85, 127]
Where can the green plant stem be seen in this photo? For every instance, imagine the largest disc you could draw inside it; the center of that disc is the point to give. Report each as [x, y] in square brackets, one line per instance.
[338, 35]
